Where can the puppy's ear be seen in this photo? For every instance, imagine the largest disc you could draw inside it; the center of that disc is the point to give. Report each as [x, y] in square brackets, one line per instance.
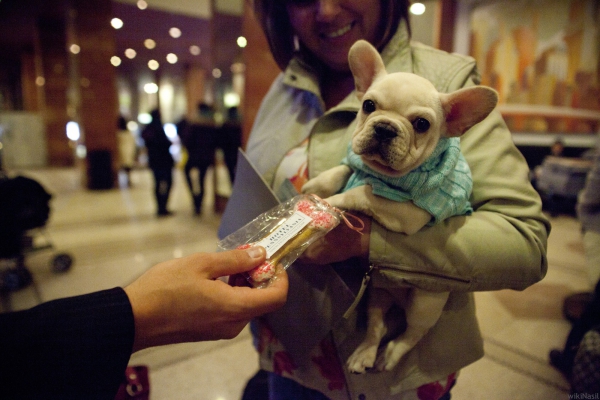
[467, 107]
[366, 65]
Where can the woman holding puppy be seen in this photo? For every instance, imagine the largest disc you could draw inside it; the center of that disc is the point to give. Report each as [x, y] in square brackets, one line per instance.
[305, 123]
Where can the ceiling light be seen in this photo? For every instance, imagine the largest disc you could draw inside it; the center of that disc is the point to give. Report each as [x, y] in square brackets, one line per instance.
[116, 61]
[242, 42]
[130, 53]
[144, 118]
[40, 81]
[171, 58]
[231, 99]
[74, 48]
[175, 32]
[150, 44]
[73, 132]
[151, 88]
[195, 50]
[238, 68]
[116, 23]
[142, 5]
[132, 126]
[417, 8]
[216, 73]
[81, 151]
[153, 65]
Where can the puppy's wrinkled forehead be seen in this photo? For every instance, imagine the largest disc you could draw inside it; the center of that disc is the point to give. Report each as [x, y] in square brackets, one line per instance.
[403, 90]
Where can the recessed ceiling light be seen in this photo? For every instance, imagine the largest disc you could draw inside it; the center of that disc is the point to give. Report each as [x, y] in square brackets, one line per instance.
[242, 42]
[149, 43]
[142, 5]
[238, 68]
[116, 61]
[171, 58]
[116, 23]
[153, 65]
[151, 87]
[74, 48]
[195, 50]
[73, 132]
[175, 32]
[417, 8]
[130, 53]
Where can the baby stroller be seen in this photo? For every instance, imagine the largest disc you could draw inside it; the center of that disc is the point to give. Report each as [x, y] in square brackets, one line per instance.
[24, 211]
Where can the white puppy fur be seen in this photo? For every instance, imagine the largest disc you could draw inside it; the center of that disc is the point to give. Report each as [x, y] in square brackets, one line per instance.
[399, 125]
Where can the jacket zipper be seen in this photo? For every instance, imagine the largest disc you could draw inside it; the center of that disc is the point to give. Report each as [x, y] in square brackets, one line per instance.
[372, 267]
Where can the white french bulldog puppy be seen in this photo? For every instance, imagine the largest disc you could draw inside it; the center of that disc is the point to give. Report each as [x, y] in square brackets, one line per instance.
[404, 123]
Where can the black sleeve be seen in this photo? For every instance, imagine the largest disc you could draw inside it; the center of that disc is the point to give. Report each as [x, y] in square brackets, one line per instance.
[72, 348]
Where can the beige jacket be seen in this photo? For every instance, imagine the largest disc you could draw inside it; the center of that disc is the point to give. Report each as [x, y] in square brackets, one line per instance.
[501, 245]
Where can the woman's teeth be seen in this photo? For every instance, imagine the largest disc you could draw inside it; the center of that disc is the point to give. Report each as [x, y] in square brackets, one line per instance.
[339, 32]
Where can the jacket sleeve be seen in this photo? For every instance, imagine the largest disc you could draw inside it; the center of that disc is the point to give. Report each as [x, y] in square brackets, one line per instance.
[502, 245]
[72, 348]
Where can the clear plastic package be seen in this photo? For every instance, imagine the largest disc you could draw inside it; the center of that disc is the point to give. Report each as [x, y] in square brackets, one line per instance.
[285, 232]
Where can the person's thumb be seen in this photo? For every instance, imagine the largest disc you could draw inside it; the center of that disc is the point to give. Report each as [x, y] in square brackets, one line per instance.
[269, 299]
[235, 261]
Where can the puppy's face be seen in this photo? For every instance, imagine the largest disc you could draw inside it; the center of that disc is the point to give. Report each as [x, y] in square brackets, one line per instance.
[403, 116]
[398, 124]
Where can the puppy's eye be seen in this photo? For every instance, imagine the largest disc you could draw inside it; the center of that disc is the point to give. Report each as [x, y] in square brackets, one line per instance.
[368, 106]
[421, 125]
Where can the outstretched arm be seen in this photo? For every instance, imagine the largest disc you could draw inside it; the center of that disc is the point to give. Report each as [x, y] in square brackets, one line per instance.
[183, 300]
[78, 347]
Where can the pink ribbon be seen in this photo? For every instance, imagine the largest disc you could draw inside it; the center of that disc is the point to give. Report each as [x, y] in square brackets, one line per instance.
[343, 215]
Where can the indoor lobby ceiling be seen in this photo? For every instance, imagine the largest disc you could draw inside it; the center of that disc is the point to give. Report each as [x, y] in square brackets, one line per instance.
[197, 20]
[195, 8]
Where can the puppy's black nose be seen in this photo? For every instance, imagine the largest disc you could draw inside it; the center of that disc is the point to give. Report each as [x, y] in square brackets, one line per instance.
[384, 132]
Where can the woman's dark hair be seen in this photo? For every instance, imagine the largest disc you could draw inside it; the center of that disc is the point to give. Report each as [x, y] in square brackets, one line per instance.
[274, 20]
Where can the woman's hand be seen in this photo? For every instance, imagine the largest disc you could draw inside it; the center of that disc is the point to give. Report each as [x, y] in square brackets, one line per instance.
[182, 300]
[340, 244]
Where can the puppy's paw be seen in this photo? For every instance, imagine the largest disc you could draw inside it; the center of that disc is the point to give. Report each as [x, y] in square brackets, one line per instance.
[318, 186]
[362, 358]
[338, 201]
[388, 359]
[353, 199]
[329, 182]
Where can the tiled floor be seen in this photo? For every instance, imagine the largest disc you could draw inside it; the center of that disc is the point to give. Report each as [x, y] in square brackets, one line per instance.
[113, 236]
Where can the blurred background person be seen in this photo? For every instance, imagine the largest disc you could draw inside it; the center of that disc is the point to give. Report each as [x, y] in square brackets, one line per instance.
[199, 139]
[230, 139]
[160, 161]
[127, 149]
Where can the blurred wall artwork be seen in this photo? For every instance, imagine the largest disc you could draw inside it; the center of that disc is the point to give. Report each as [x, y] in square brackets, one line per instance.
[542, 56]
